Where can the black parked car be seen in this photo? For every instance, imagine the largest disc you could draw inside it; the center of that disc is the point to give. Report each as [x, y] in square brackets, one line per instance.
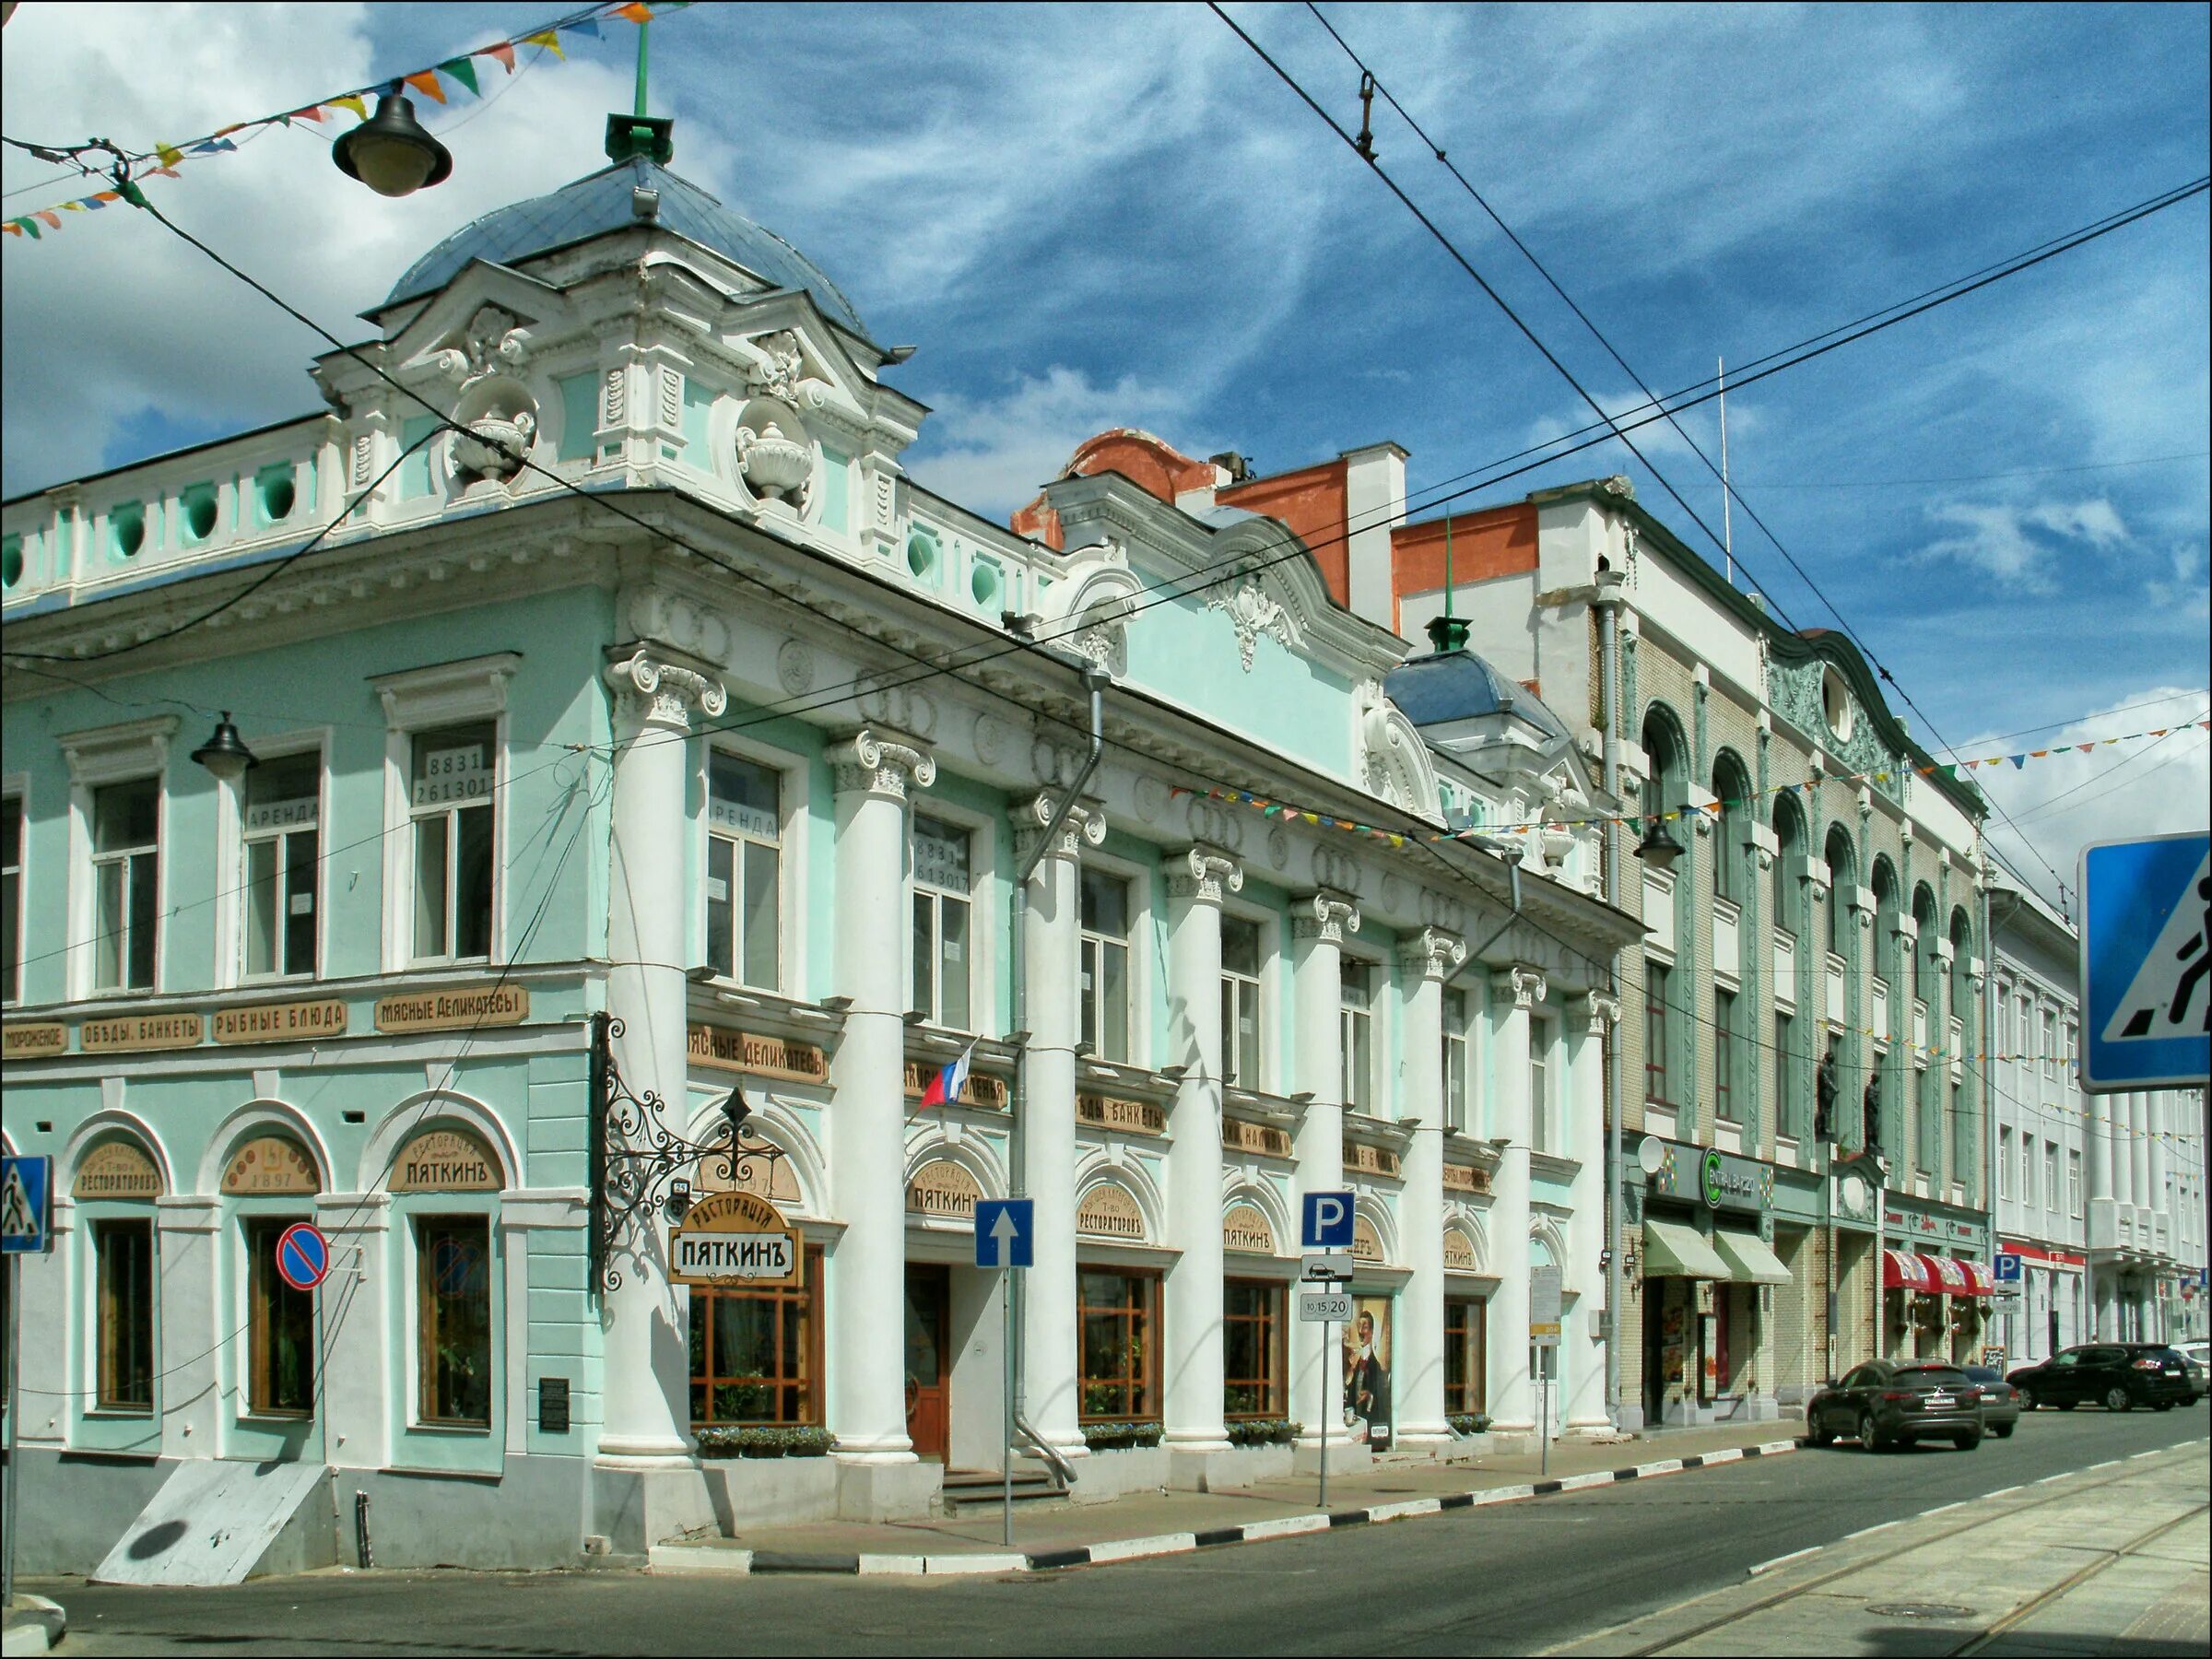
[2115, 1375]
[2000, 1401]
[1884, 1403]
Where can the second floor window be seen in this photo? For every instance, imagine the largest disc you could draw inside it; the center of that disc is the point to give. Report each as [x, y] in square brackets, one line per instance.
[125, 875]
[1241, 1001]
[941, 964]
[282, 801]
[1355, 1001]
[11, 896]
[2003, 1163]
[1727, 1043]
[1540, 1135]
[1455, 1061]
[1654, 1031]
[2074, 1184]
[1105, 971]
[745, 829]
[453, 780]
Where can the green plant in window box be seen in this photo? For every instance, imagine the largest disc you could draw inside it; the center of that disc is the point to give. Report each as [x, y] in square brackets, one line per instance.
[766, 1439]
[1264, 1431]
[1115, 1437]
[1468, 1423]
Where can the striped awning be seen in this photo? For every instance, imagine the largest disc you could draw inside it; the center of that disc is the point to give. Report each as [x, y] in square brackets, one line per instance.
[1950, 1275]
[1977, 1279]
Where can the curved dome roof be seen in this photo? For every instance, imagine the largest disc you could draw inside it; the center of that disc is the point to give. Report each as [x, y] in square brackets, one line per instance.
[1459, 684]
[601, 202]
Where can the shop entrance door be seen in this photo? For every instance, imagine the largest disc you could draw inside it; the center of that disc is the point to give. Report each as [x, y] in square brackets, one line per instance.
[928, 1360]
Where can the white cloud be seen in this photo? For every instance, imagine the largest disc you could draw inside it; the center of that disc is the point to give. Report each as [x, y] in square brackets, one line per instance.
[1996, 538]
[993, 455]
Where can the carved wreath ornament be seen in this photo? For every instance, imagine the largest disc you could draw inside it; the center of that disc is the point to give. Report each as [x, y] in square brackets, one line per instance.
[1253, 614]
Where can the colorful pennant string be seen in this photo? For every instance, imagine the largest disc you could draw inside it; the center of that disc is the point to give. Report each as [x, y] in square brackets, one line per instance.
[433, 82]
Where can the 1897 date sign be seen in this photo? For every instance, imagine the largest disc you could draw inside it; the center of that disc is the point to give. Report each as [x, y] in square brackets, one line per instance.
[728, 1237]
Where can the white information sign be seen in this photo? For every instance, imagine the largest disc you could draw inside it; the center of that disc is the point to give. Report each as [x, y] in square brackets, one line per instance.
[1544, 1308]
[1325, 1307]
[1326, 1269]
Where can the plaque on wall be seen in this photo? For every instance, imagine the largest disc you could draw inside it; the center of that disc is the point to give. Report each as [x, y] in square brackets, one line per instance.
[1135, 1117]
[34, 1040]
[1459, 1251]
[1465, 1178]
[468, 1007]
[725, 1048]
[1367, 1244]
[281, 1022]
[1244, 1228]
[980, 1089]
[552, 1405]
[942, 1189]
[1240, 1136]
[445, 1160]
[1369, 1160]
[1109, 1211]
[270, 1164]
[140, 1033]
[117, 1169]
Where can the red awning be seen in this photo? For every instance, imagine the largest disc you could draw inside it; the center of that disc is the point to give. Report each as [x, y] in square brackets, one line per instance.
[1950, 1276]
[1903, 1270]
[1978, 1282]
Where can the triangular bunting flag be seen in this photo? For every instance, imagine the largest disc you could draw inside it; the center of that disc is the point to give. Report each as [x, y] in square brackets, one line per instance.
[352, 101]
[2018, 761]
[504, 52]
[170, 155]
[426, 82]
[549, 39]
[584, 26]
[462, 70]
[18, 226]
[312, 113]
[54, 221]
[635, 12]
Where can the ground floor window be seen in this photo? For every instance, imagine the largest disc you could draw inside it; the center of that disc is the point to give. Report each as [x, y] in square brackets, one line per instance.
[757, 1351]
[1252, 1348]
[1466, 1347]
[280, 1328]
[453, 1332]
[124, 1251]
[1117, 1312]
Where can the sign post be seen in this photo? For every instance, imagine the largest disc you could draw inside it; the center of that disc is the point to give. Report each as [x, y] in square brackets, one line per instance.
[1544, 1342]
[1005, 1237]
[26, 1229]
[1326, 1224]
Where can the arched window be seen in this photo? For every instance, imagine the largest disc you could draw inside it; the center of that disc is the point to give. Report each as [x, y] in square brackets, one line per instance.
[1732, 784]
[1963, 1137]
[1792, 1061]
[1789, 836]
[1927, 982]
[116, 1186]
[1886, 965]
[1843, 877]
[1668, 757]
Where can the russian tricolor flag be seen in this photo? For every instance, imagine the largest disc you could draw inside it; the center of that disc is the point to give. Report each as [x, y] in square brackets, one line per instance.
[945, 1088]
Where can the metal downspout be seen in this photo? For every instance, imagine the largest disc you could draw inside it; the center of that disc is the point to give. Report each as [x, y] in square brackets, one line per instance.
[1094, 682]
[1608, 603]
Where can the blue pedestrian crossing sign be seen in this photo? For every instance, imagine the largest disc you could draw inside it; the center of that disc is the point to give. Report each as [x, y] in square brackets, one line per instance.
[2007, 1268]
[1006, 1232]
[26, 1206]
[2147, 962]
[1325, 1221]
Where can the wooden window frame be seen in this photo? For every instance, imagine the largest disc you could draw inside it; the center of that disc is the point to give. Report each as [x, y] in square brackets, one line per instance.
[262, 1278]
[1655, 1033]
[807, 1382]
[450, 814]
[111, 1338]
[426, 1330]
[282, 837]
[1272, 1323]
[1145, 1318]
[1469, 1339]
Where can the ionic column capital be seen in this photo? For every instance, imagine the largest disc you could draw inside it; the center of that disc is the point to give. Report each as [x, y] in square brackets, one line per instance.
[1327, 915]
[1203, 872]
[879, 763]
[1084, 825]
[1603, 1010]
[1526, 986]
[655, 693]
[1433, 953]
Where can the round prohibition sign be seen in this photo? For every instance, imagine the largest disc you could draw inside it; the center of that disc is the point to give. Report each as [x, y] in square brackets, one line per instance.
[302, 1255]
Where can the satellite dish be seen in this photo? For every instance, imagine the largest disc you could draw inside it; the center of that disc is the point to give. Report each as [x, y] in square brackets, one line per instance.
[1651, 1152]
[1855, 1191]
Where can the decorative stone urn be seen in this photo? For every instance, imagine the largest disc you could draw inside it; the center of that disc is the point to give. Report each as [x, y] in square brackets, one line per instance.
[477, 451]
[775, 467]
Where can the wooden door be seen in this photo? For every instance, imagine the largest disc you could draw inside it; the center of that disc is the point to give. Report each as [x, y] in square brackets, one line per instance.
[928, 1360]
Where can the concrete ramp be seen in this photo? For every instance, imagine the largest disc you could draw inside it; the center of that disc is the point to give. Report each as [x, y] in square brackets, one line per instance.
[220, 1523]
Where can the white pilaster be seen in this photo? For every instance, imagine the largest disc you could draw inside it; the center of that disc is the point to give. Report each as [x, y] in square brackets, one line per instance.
[1051, 1376]
[1319, 922]
[1197, 878]
[1583, 1342]
[1512, 1404]
[867, 1129]
[1426, 959]
[647, 1389]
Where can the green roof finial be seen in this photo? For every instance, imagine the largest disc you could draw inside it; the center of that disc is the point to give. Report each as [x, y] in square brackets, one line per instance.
[1448, 632]
[639, 134]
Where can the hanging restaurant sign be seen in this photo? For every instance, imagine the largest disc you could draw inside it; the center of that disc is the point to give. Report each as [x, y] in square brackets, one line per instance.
[466, 1008]
[725, 1048]
[727, 1238]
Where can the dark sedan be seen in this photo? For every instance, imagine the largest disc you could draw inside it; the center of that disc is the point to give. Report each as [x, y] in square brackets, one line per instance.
[2115, 1375]
[2000, 1400]
[1884, 1404]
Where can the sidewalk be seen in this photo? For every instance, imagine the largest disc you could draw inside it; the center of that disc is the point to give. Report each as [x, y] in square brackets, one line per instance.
[1167, 1523]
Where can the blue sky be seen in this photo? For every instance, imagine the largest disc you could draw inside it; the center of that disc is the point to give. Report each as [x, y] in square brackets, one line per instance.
[1094, 215]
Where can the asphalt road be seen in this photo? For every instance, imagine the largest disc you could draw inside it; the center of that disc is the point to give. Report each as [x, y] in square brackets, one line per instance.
[1511, 1578]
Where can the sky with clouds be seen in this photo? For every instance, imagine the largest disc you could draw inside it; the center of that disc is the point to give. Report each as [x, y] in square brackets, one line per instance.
[1097, 216]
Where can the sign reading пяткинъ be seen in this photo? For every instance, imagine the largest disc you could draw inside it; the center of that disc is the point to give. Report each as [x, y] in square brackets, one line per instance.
[728, 1238]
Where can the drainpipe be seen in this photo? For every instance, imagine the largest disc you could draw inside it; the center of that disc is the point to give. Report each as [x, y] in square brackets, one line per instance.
[1607, 601]
[1094, 682]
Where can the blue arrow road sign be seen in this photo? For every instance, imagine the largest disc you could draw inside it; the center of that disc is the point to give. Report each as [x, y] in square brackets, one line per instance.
[1006, 1231]
[2147, 962]
[1325, 1221]
[2007, 1269]
[26, 1206]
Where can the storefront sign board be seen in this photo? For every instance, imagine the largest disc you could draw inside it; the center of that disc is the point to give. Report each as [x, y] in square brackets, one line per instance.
[462, 1008]
[727, 1238]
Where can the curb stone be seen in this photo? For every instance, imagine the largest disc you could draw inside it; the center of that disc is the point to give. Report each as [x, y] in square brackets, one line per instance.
[670, 1557]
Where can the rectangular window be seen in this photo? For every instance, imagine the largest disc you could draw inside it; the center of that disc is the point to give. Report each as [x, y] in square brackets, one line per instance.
[2003, 1163]
[1455, 1061]
[1117, 1313]
[757, 1352]
[1106, 964]
[1540, 1135]
[1726, 1039]
[280, 1328]
[125, 874]
[940, 946]
[1356, 1058]
[1786, 1074]
[2051, 1176]
[125, 1250]
[11, 898]
[1466, 1354]
[2074, 1184]
[453, 1332]
[1252, 1348]
[745, 831]
[283, 803]
[1655, 976]
[451, 779]
[2027, 1167]
[1241, 1001]
[2049, 1044]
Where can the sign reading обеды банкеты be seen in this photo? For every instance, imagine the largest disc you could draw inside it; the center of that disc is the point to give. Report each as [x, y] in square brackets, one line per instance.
[727, 1238]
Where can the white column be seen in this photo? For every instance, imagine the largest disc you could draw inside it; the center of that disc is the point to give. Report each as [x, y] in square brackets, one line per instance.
[1318, 924]
[2154, 1125]
[647, 1388]
[1426, 959]
[867, 1110]
[1051, 952]
[2139, 1143]
[1513, 1400]
[1583, 1342]
[1197, 878]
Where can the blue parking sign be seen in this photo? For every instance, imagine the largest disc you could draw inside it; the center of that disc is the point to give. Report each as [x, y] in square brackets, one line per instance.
[2007, 1269]
[1325, 1221]
[26, 1206]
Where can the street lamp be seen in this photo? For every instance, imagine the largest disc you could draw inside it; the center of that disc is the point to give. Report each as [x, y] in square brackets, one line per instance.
[1659, 848]
[226, 754]
[391, 153]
